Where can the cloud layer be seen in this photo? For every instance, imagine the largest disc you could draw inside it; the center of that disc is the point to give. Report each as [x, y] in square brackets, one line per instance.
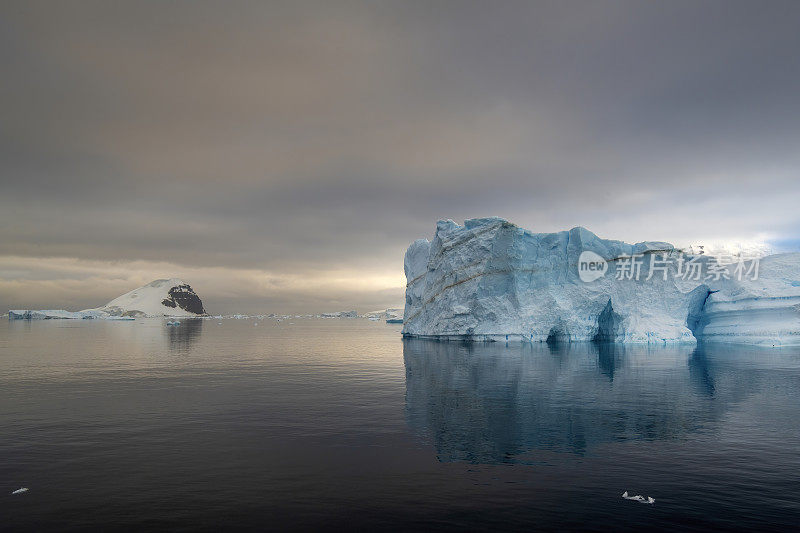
[281, 156]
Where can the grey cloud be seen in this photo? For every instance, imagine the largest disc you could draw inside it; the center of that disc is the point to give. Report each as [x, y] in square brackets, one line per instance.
[303, 136]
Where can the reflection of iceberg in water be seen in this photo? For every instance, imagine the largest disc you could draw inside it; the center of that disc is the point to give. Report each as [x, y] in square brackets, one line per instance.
[183, 336]
[609, 357]
[701, 373]
[489, 403]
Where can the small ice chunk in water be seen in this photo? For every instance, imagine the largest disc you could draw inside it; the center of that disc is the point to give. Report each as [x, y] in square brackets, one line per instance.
[20, 491]
[638, 498]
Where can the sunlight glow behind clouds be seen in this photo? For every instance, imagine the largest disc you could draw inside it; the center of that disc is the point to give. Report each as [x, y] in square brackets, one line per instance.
[81, 284]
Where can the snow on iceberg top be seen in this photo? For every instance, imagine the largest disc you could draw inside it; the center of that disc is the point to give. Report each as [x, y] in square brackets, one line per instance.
[778, 275]
[450, 234]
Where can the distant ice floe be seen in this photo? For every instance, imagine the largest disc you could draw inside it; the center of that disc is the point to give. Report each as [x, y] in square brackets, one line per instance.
[638, 498]
[340, 314]
[391, 315]
[54, 314]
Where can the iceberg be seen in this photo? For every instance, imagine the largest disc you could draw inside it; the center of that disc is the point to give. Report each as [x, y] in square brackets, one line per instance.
[490, 280]
[394, 316]
[54, 314]
[44, 314]
[391, 315]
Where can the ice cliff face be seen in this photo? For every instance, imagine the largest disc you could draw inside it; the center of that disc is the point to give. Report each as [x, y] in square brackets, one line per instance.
[492, 280]
[761, 311]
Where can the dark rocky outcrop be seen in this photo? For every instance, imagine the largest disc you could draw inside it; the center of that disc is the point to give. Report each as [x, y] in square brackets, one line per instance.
[184, 297]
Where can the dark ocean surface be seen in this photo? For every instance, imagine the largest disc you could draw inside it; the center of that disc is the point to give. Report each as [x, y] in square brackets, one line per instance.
[341, 425]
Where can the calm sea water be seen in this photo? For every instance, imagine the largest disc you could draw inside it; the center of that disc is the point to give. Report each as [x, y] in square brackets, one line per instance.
[342, 425]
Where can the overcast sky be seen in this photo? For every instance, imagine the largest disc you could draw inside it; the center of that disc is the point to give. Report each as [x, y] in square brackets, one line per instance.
[281, 156]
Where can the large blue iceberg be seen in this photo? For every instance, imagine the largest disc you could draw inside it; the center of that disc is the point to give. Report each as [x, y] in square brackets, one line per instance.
[492, 280]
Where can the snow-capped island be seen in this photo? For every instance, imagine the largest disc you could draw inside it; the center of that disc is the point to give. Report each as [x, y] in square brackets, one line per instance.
[492, 280]
[162, 297]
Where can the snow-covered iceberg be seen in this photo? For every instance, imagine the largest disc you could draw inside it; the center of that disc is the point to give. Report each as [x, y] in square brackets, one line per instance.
[394, 316]
[162, 297]
[492, 280]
